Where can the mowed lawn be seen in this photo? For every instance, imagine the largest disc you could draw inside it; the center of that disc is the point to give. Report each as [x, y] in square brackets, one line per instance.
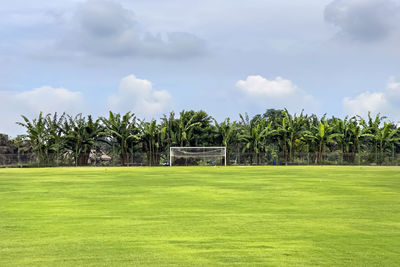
[200, 216]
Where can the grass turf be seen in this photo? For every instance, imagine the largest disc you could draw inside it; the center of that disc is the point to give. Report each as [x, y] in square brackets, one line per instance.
[274, 216]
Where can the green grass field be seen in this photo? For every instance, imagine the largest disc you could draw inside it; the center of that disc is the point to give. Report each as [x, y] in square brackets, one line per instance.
[277, 216]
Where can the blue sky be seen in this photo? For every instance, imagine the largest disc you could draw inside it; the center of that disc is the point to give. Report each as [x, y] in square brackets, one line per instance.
[339, 57]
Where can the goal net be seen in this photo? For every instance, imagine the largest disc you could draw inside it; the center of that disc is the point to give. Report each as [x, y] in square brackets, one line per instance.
[190, 156]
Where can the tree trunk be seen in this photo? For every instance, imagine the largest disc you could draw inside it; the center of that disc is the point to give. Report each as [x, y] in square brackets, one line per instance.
[124, 158]
[83, 159]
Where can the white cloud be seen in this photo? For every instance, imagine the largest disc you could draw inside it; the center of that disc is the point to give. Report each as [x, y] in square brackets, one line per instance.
[49, 99]
[138, 96]
[367, 101]
[386, 102]
[30, 103]
[278, 93]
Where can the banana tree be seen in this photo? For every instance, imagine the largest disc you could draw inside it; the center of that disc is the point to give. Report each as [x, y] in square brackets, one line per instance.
[186, 126]
[179, 132]
[322, 135]
[253, 136]
[151, 137]
[386, 138]
[36, 134]
[123, 134]
[290, 131]
[227, 132]
[344, 136]
[80, 135]
[169, 127]
[54, 134]
[372, 127]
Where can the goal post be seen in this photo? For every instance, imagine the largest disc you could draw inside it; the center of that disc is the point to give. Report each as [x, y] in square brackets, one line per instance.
[191, 156]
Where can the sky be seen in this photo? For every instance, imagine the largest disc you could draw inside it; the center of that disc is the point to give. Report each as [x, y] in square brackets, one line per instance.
[150, 57]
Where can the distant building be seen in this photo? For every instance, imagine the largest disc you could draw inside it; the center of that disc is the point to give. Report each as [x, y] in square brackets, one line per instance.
[398, 125]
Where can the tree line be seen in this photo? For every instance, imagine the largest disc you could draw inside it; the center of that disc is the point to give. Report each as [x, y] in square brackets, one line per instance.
[275, 136]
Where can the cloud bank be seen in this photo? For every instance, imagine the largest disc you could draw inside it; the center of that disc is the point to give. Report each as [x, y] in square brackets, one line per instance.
[106, 28]
[364, 20]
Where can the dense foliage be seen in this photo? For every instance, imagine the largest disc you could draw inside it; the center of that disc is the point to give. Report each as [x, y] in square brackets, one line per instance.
[273, 137]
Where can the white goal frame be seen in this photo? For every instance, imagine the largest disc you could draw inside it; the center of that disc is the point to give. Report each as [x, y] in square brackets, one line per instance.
[200, 155]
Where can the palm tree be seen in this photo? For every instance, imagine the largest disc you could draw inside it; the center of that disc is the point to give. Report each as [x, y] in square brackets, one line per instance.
[124, 133]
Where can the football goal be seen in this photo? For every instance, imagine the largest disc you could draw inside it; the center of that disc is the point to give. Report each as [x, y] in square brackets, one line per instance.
[192, 156]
